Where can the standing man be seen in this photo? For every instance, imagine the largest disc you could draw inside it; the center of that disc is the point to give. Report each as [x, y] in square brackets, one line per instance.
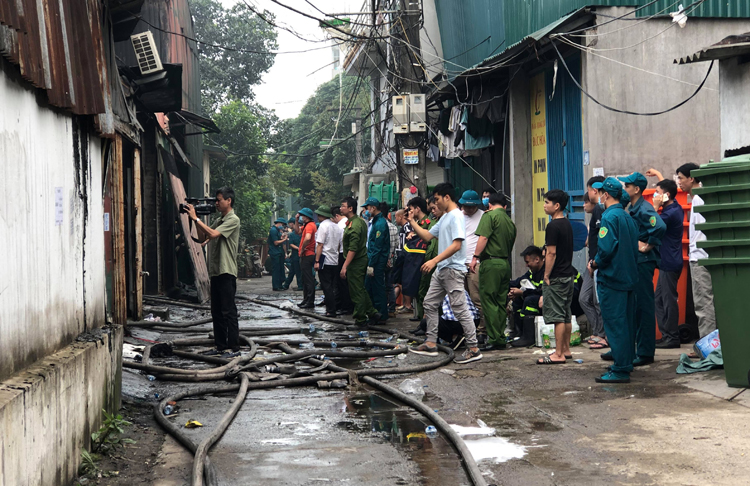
[354, 268]
[670, 268]
[703, 293]
[496, 236]
[389, 268]
[470, 205]
[430, 253]
[559, 275]
[617, 264]
[343, 301]
[276, 239]
[486, 197]
[414, 252]
[587, 298]
[378, 252]
[328, 239]
[448, 279]
[294, 241]
[651, 230]
[224, 234]
[398, 266]
[307, 258]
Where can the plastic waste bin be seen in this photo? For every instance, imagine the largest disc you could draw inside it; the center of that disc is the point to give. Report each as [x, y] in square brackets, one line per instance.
[726, 193]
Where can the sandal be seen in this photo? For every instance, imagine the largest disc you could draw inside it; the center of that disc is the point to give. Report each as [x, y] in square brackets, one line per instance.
[548, 361]
[600, 345]
[593, 340]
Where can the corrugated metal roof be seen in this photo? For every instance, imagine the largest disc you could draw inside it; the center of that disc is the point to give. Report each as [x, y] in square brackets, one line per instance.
[732, 46]
[709, 8]
[57, 45]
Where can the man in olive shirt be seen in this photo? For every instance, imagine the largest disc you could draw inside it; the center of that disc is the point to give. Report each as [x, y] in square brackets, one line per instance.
[355, 265]
[497, 234]
[224, 234]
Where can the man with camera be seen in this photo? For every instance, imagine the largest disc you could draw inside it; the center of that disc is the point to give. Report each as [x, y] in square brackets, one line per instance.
[224, 235]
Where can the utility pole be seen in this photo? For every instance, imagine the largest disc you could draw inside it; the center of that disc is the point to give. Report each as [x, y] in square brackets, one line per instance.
[409, 66]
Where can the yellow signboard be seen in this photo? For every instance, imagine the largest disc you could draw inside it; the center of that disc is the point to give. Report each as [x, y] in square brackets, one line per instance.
[539, 157]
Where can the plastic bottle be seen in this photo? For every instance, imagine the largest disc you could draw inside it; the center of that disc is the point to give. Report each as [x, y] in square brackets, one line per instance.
[401, 356]
[333, 344]
[364, 334]
[306, 345]
[431, 431]
[168, 410]
[312, 328]
[150, 377]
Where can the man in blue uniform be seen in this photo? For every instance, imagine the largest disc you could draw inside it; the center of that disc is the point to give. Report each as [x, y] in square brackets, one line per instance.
[617, 262]
[378, 251]
[651, 229]
[276, 239]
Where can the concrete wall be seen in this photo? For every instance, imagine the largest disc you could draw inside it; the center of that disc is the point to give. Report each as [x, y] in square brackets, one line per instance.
[645, 79]
[520, 168]
[49, 410]
[735, 104]
[53, 283]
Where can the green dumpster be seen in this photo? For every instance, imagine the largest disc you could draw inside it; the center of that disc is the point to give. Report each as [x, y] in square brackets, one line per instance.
[731, 279]
[726, 194]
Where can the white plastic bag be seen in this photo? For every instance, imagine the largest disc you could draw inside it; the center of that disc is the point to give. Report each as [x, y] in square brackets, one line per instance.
[412, 387]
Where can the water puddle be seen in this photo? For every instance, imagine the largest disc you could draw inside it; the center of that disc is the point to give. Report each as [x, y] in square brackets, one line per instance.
[495, 449]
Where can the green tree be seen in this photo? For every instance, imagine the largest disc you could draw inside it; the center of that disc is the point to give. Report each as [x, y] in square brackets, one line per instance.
[320, 175]
[231, 74]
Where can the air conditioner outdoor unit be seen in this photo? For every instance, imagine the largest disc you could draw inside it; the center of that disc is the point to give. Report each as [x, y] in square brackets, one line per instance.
[145, 51]
[401, 114]
[417, 113]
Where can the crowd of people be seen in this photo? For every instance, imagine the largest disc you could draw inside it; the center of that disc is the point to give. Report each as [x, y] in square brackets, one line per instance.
[448, 259]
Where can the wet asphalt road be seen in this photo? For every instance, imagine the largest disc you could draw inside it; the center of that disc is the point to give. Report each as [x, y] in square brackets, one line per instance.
[572, 431]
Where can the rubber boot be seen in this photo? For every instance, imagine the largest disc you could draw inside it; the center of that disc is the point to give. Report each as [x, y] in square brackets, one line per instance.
[528, 334]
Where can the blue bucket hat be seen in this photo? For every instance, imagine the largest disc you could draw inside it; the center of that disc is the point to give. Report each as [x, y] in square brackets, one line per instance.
[292, 220]
[610, 185]
[307, 212]
[470, 198]
[280, 220]
[371, 201]
[637, 179]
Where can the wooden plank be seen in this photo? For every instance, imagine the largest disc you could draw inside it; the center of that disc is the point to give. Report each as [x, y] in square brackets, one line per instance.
[120, 304]
[138, 288]
[196, 252]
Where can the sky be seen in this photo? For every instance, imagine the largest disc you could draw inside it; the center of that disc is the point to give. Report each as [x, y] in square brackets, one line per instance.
[289, 83]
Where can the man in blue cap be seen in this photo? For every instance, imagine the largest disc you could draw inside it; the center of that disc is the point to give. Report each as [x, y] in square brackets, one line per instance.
[471, 206]
[617, 262]
[651, 229]
[293, 241]
[378, 251]
[276, 239]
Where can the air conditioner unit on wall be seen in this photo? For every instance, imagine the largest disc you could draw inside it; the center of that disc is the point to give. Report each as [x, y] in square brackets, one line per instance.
[145, 51]
[401, 114]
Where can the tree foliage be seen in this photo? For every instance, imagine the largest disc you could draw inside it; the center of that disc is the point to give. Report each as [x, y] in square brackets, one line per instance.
[231, 74]
[320, 176]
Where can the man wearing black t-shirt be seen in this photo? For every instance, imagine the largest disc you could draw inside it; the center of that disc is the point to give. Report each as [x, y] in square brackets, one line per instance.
[559, 275]
[587, 298]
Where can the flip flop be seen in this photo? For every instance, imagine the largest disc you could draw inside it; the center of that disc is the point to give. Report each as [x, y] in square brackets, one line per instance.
[599, 345]
[593, 340]
[548, 361]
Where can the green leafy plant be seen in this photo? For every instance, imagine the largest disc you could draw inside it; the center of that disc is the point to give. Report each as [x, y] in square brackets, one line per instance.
[107, 438]
[88, 463]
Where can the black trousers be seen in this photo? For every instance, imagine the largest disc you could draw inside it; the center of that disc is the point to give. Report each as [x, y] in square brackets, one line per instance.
[329, 276]
[224, 312]
[343, 299]
[308, 280]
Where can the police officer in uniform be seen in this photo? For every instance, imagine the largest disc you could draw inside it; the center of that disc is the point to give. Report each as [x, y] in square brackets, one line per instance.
[378, 251]
[617, 262]
[651, 229]
[497, 234]
[355, 265]
[276, 239]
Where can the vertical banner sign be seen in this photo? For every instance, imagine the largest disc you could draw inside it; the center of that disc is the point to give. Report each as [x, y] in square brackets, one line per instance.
[539, 157]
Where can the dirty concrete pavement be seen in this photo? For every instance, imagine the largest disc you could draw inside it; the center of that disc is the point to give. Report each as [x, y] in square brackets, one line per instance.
[525, 424]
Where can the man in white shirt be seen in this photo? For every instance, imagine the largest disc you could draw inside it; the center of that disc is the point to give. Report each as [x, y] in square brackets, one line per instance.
[328, 239]
[470, 205]
[703, 294]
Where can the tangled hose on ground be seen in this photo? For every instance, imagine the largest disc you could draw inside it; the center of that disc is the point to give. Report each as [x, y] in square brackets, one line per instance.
[243, 367]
